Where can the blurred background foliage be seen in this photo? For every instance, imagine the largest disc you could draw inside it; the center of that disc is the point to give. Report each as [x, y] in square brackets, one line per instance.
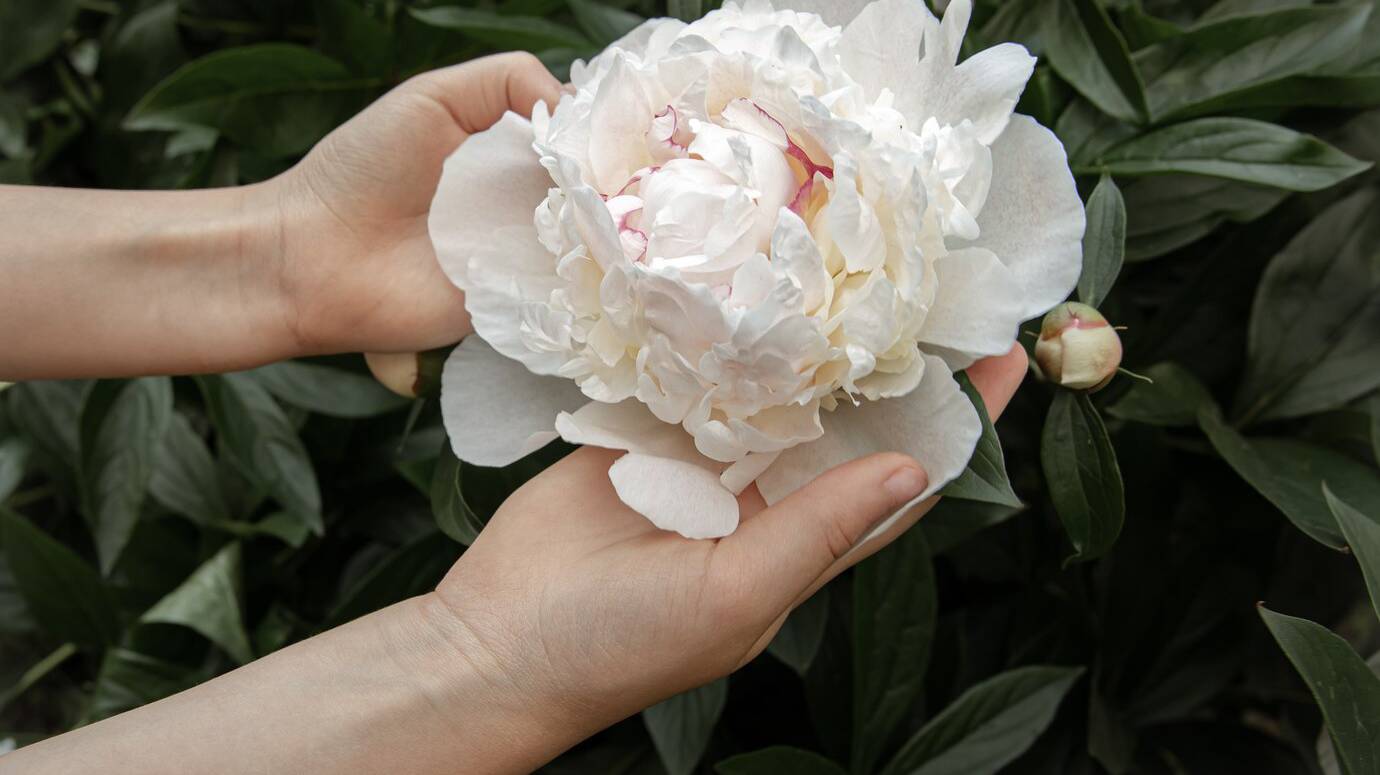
[1089, 607]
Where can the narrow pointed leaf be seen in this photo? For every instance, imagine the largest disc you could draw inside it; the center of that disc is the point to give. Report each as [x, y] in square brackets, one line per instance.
[64, 594]
[894, 609]
[326, 390]
[985, 478]
[1290, 474]
[263, 444]
[209, 602]
[778, 760]
[1234, 148]
[119, 463]
[1083, 476]
[1313, 341]
[185, 479]
[987, 726]
[1171, 399]
[798, 640]
[1363, 536]
[1345, 688]
[681, 726]
[1087, 50]
[1104, 242]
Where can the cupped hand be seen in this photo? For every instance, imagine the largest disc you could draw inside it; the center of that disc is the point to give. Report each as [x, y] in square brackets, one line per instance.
[576, 602]
[355, 257]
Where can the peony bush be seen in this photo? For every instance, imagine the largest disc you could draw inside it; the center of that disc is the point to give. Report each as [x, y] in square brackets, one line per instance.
[764, 237]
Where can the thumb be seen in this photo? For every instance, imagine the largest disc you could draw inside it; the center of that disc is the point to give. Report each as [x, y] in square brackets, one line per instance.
[478, 92]
[795, 541]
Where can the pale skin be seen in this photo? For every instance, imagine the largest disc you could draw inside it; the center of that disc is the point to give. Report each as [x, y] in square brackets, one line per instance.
[569, 613]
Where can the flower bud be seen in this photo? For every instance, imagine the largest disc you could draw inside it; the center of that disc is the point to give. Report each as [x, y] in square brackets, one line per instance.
[1077, 349]
[409, 374]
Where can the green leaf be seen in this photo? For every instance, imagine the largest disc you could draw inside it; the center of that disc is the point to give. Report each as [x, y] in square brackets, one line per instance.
[63, 594]
[14, 464]
[685, 10]
[953, 521]
[1290, 475]
[185, 479]
[1346, 690]
[146, 49]
[1313, 343]
[120, 463]
[48, 414]
[1214, 67]
[1171, 399]
[14, 612]
[1233, 148]
[1167, 212]
[1363, 536]
[453, 515]
[1087, 50]
[30, 30]
[503, 31]
[209, 603]
[987, 726]
[894, 609]
[778, 760]
[603, 24]
[681, 726]
[263, 444]
[326, 390]
[1374, 406]
[275, 98]
[1083, 476]
[798, 640]
[405, 572]
[36, 673]
[1104, 242]
[353, 35]
[129, 679]
[14, 125]
[984, 479]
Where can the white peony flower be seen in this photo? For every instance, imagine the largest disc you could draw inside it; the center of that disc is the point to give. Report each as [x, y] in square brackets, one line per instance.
[751, 248]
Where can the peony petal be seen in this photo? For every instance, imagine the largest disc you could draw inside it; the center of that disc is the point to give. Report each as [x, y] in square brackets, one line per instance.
[738, 476]
[880, 48]
[495, 410]
[630, 425]
[510, 271]
[620, 112]
[984, 90]
[675, 495]
[490, 186]
[977, 309]
[1033, 219]
[795, 252]
[835, 12]
[493, 180]
[935, 424]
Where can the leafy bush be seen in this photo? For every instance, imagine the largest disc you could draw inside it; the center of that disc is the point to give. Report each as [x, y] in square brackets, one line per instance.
[158, 531]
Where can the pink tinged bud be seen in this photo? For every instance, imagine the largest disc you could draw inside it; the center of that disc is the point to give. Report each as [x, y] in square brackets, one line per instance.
[410, 375]
[1078, 348]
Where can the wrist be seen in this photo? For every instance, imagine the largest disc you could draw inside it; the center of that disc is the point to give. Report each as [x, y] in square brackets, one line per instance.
[481, 677]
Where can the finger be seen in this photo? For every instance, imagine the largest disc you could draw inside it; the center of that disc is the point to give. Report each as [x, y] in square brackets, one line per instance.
[791, 543]
[996, 379]
[478, 93]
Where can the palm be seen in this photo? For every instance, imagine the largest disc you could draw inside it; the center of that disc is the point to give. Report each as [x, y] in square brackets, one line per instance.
[595, 573]
[357, 251]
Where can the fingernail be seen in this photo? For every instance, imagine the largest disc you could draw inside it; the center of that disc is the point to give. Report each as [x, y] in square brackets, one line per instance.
[905, 483]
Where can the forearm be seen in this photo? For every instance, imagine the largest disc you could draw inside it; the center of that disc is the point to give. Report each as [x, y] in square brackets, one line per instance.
[117, 283]
[396, 691]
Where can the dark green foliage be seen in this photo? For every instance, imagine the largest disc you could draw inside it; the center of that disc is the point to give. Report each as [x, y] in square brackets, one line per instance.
[154, 533]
